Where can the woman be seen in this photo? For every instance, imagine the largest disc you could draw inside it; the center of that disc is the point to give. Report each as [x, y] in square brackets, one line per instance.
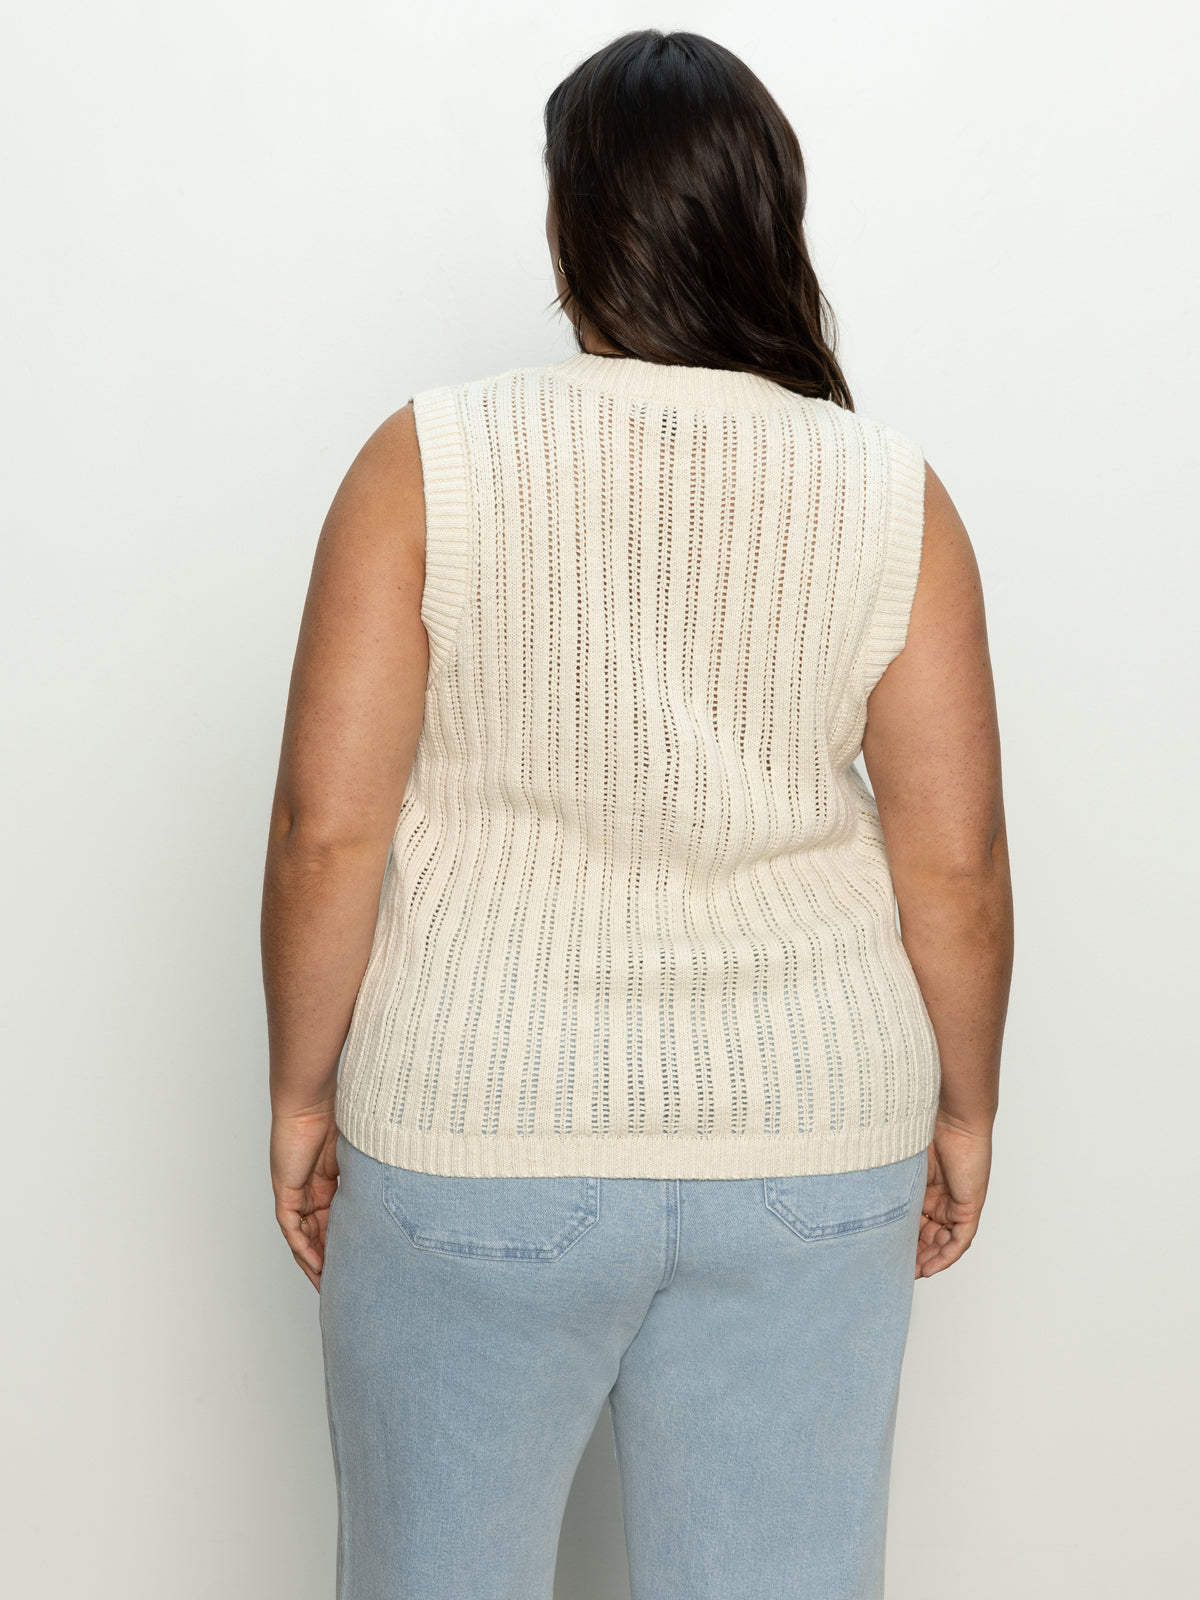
[644, 1098]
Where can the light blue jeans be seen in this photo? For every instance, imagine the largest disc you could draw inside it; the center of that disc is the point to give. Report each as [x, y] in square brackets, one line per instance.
[747, 1335]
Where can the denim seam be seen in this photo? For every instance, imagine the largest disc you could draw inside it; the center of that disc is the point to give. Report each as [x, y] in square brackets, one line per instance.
[811, 1234]
[582, 1220]
[343, 1538]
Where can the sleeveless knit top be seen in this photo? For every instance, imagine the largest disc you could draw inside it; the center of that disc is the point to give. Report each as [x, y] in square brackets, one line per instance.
[638, 918]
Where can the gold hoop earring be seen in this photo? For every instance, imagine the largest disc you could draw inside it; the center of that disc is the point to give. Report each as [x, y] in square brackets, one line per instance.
[561, 268]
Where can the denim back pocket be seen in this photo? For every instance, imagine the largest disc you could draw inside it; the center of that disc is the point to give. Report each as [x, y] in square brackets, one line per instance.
[822, 1205]
[496, 1219]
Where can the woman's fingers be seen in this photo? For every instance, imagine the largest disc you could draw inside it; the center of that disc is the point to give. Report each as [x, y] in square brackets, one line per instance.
[305, 1234]
[304, 1176]
[941, 1244]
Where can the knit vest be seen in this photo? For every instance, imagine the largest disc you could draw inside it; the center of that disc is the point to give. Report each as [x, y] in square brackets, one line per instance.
[638, 918]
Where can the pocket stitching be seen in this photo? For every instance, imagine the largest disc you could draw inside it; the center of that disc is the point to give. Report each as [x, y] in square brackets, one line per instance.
[582, 1219]
[810, 1232]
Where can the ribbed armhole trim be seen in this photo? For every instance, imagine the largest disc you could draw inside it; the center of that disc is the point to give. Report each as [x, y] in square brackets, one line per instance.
[447, 521]
[901, 560]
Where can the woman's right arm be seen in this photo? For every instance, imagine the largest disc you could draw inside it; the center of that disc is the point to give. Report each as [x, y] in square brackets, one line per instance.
[931, 748]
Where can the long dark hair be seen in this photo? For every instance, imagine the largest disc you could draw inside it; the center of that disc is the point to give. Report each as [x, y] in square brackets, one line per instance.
[678, 190]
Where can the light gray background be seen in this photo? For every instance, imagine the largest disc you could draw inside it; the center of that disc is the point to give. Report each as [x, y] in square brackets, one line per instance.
[239, 237]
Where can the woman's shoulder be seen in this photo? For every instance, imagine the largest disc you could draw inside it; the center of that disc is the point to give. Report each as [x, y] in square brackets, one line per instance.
[867, 435]
[501, 378]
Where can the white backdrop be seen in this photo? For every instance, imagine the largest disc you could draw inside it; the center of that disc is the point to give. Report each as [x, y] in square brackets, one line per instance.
[240, 236]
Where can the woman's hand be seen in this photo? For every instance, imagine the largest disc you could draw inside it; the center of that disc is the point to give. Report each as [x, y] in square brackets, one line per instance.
[304, 1175]
[960, 1161]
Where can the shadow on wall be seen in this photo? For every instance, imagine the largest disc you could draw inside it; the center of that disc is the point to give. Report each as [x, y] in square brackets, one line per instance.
[592, 1560]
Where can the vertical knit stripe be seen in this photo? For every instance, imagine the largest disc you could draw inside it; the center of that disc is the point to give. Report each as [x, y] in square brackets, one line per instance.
[447, 557]
[638, 919]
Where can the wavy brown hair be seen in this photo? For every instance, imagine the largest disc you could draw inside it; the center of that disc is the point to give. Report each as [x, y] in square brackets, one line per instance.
[678, 191]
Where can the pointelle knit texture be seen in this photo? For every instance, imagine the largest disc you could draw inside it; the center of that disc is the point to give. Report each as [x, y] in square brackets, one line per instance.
[638, 918]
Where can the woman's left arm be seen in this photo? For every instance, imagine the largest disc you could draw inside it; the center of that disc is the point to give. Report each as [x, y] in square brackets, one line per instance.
[354, 714]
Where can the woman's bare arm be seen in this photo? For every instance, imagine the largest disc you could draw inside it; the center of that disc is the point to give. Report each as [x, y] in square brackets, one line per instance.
[932, 752]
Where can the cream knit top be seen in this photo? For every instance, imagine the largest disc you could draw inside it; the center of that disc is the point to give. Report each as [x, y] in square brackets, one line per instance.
[638, 918]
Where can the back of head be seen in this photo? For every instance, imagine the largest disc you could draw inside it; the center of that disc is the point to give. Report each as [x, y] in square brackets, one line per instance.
[678, 191]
